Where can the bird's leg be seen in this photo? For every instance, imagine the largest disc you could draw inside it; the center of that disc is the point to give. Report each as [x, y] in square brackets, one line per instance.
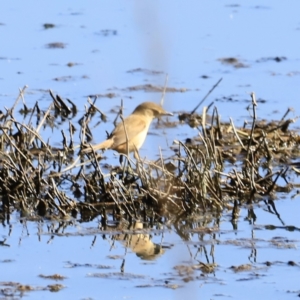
[127, 174]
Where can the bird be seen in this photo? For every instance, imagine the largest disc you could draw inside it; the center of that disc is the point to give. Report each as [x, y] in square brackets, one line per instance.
[130, 134]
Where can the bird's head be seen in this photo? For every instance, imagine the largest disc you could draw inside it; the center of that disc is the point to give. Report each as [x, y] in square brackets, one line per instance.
[151, 109]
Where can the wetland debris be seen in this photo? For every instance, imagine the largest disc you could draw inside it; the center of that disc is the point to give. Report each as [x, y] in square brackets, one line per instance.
[53, 277]
[155, 88]
[224, 168]
[56, 45]
[12, 290]
[233, 61]
[48, 25]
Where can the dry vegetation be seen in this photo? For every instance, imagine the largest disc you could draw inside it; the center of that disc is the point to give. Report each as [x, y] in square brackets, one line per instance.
[224, 168]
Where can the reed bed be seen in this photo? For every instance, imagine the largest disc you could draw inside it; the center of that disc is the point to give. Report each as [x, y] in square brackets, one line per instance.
[222, 169]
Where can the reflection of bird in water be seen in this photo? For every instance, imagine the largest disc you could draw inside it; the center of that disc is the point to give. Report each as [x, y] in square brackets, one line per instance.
[140, 243]
[129, 136]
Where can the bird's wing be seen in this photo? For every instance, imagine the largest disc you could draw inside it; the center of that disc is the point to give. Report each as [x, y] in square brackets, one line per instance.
[134, 125]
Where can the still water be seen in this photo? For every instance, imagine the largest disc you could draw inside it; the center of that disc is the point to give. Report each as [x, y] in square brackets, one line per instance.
[96, 48]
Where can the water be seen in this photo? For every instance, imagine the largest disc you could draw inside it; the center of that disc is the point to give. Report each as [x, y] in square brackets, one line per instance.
[105, 40]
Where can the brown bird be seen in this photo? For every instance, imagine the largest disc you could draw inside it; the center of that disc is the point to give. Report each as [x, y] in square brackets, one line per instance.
[129, 136]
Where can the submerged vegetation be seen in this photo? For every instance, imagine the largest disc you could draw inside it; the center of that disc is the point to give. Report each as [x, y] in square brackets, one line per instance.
[222, 169]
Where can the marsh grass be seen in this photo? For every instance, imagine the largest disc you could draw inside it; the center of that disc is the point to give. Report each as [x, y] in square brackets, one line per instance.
[222, 169]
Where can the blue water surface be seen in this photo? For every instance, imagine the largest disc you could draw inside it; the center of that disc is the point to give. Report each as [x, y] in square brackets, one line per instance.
[103, 41]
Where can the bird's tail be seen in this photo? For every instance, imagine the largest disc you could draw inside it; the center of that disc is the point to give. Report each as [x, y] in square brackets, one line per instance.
[104, 145]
